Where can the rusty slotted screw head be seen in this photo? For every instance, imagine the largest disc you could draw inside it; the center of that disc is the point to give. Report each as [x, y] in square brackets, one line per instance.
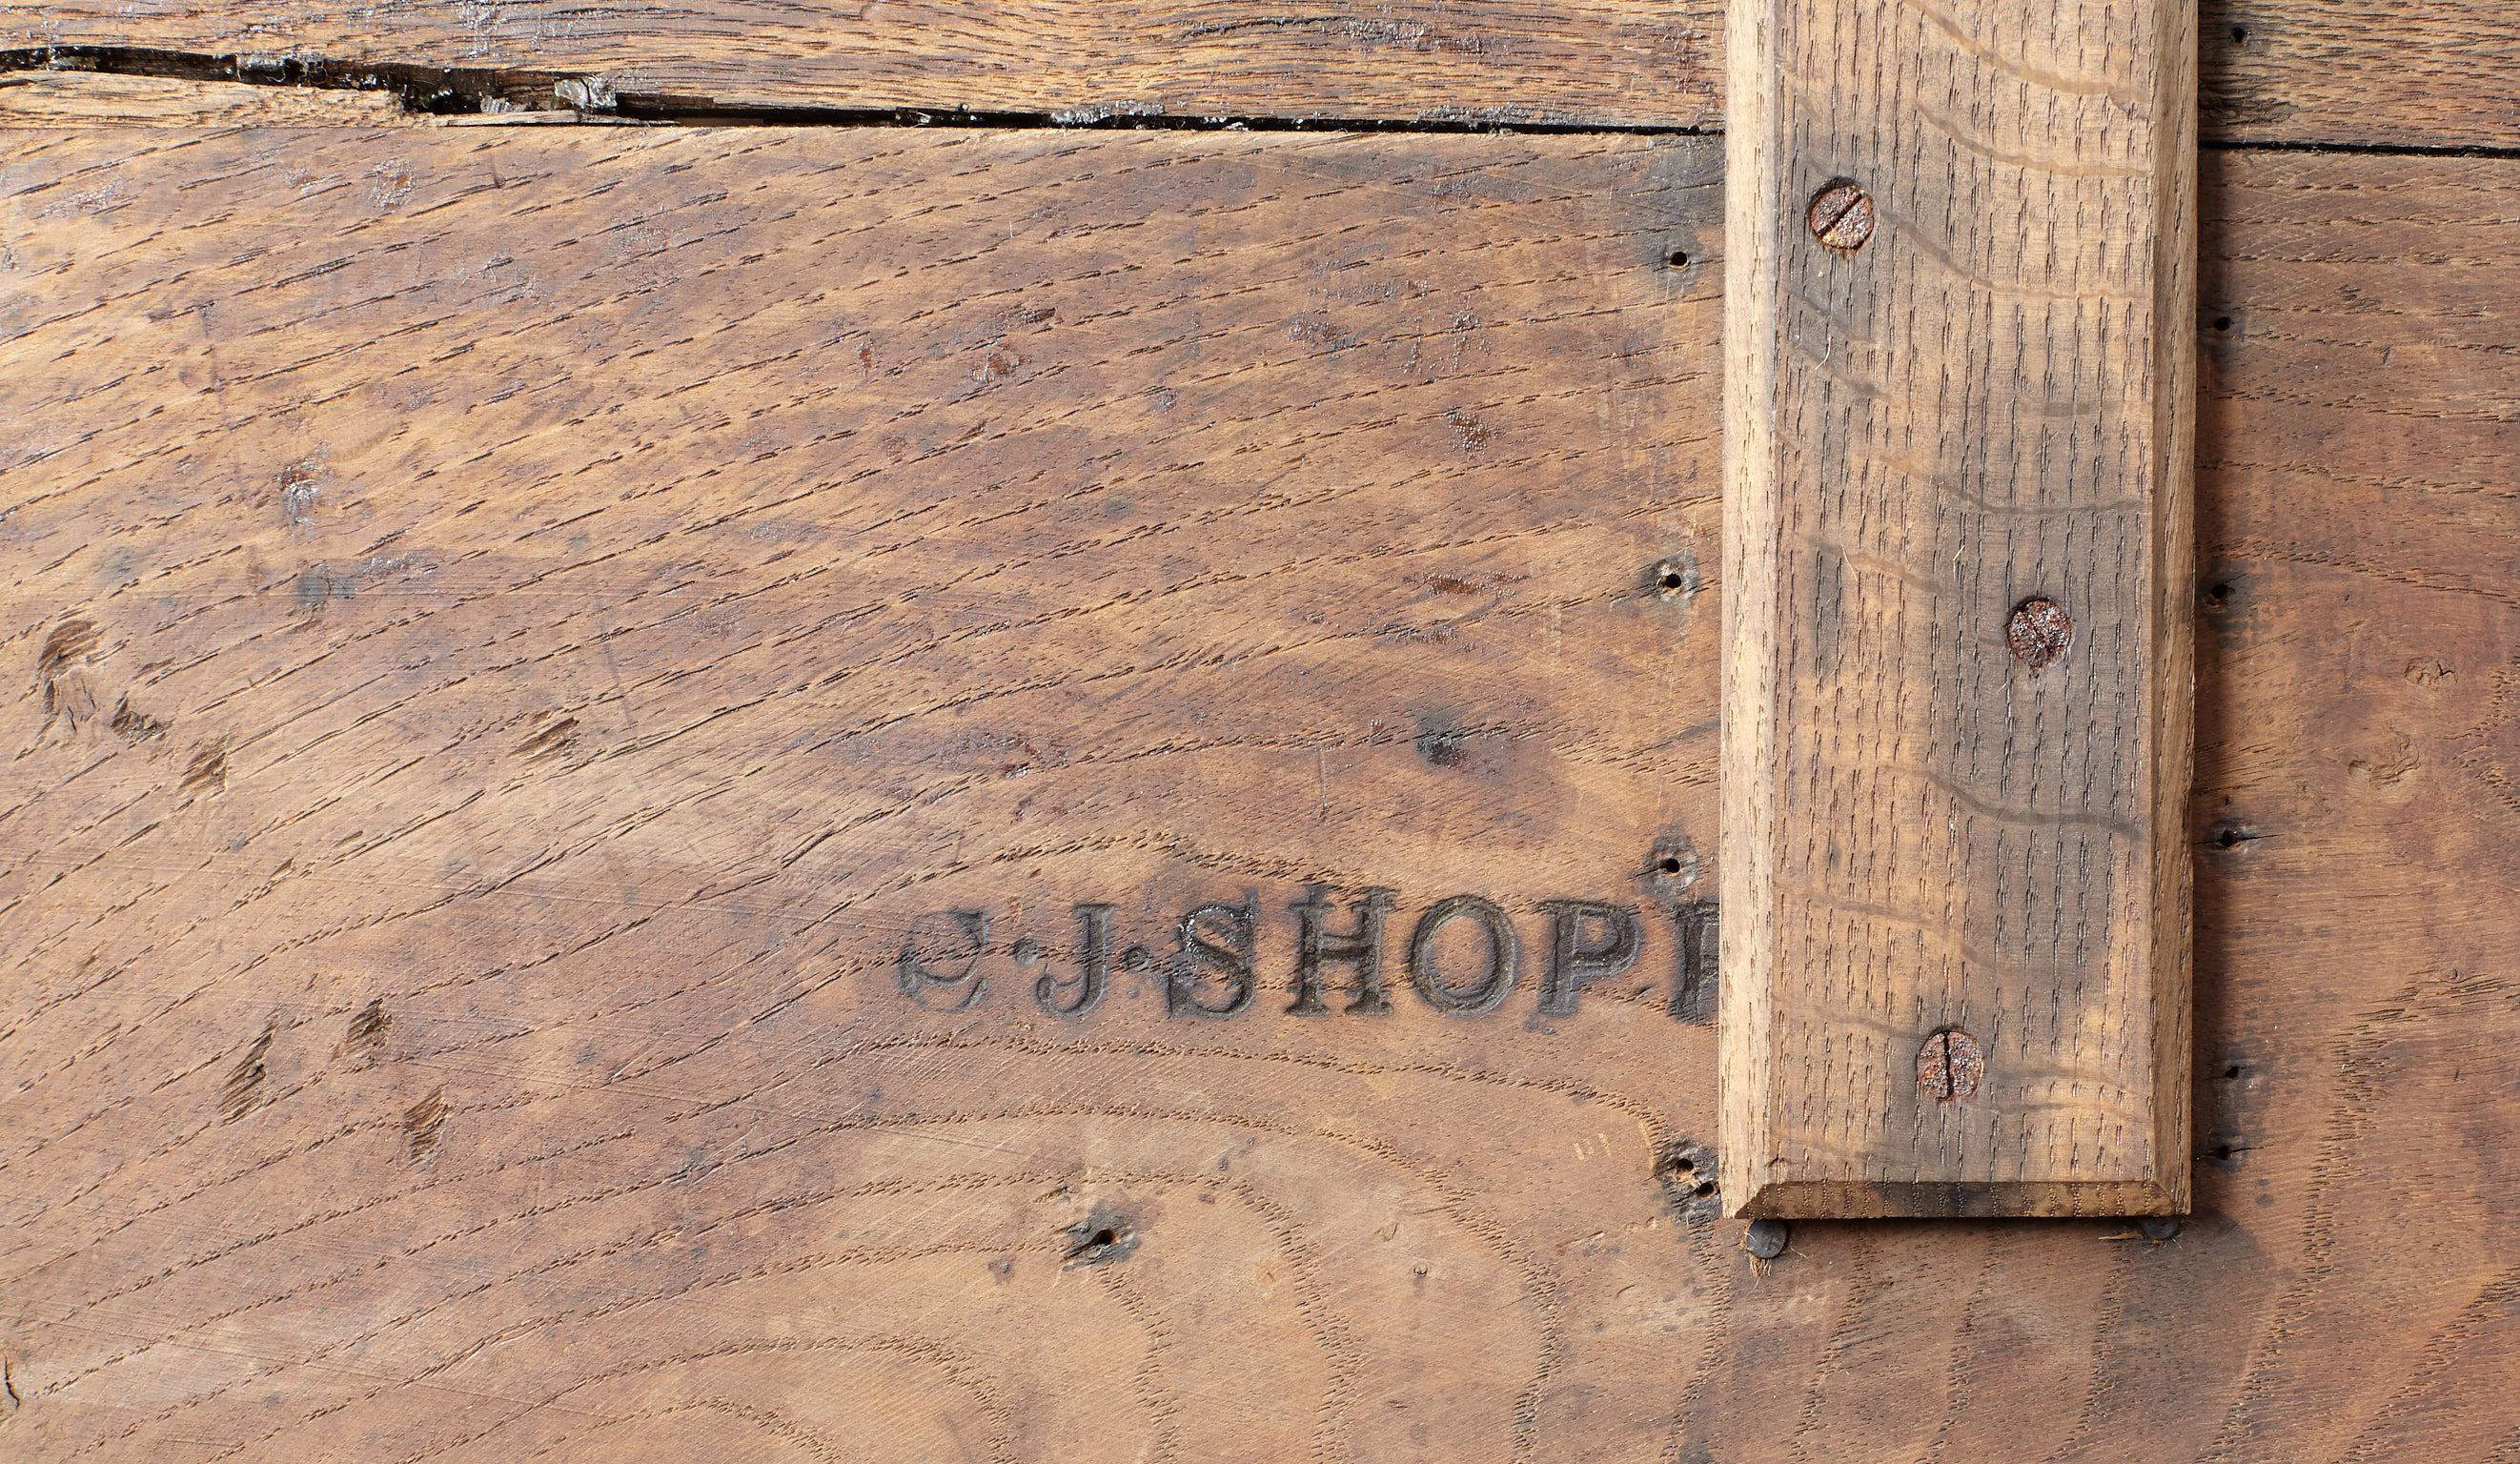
[1841, 216]
[2039, 633]
[1950, 1066]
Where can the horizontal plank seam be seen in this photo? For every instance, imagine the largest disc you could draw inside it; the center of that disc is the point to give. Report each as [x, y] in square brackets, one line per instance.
[2365, 148]
[465, 91]
[555, 96]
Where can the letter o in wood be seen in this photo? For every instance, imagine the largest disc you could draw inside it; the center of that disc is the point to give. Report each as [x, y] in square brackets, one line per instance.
[1504, 953]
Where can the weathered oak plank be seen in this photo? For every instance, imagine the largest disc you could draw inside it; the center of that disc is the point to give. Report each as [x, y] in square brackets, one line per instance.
[87, 99]
[1957, 674]
[1492, 61]
[639, 1152]
[2374, 72]
[2444, 72]
[543, 651]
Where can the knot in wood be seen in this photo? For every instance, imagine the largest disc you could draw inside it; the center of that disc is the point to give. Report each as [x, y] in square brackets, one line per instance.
[1950, 1066]
[1841, 216]
[2039, 633]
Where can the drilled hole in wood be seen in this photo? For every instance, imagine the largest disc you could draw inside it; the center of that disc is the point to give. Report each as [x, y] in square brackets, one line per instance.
[1671, 863]
[1674, 577]
[1685, 1170]
[1101, 1238]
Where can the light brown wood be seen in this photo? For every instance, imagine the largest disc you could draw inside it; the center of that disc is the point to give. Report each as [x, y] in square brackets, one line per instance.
[2435, 72]
[2424, 73]
[1959, 541]
[86, 99]
[588, 1121]
[537, 645]
[1482, 62]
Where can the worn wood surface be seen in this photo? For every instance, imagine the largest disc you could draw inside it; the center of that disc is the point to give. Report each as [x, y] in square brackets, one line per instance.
[2382, 72]
[1489, 60]
[542, 649]
[85, 99]
[2369, 72]
[1957, 658]
[511, 627]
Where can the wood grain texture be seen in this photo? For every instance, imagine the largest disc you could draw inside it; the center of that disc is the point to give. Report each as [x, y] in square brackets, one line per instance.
[409, 1077]
[1485, 60]
[1954, 860]
[2444, 72]
[531, 644]
[2370, 73]
[87, 99]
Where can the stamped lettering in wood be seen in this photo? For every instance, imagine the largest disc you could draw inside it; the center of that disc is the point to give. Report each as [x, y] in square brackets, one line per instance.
[1462, 955]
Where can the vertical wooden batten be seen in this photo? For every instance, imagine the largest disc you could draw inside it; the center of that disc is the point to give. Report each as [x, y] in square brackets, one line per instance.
[1958, 676]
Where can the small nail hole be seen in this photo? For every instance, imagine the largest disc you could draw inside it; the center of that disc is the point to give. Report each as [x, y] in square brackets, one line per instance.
[1672, 580]
[1678, 260]
[2228, 839]
[2240, 35]
[1667, 864]
[2222, 322]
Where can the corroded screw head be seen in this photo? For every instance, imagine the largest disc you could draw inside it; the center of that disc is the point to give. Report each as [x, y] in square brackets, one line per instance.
[1950, 1066]
[1767, 1239]
[1841, 216]
[2039, 633]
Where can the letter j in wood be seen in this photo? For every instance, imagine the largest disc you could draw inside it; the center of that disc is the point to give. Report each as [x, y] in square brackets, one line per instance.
[1958, 651]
